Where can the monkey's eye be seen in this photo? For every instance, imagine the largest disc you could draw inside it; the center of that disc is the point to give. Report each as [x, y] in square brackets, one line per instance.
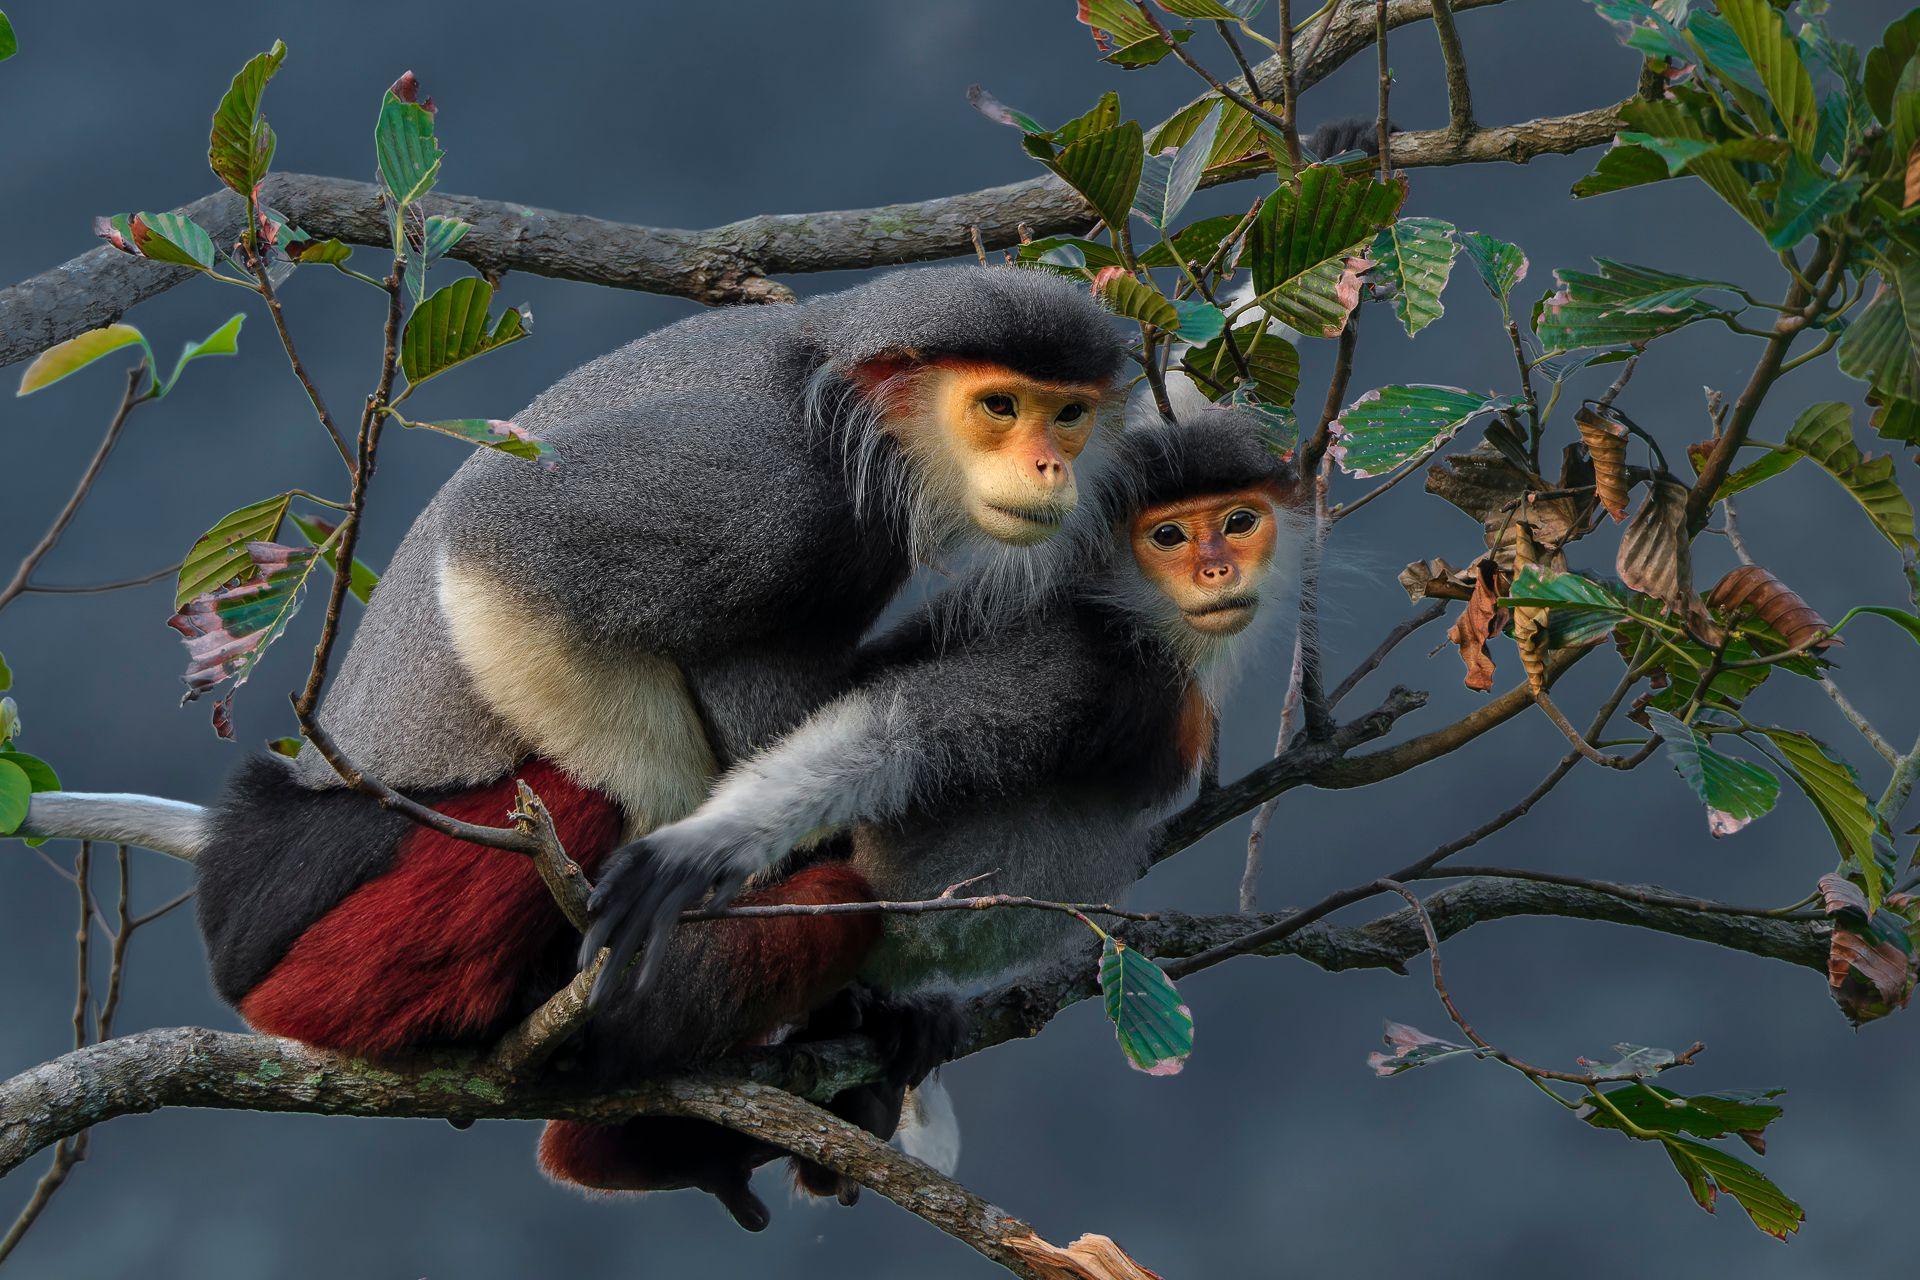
[1000, 405]
[1168, 536]
[1240, 523]
[1071, 415]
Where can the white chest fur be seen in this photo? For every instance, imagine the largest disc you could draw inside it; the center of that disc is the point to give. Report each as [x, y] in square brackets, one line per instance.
[621, 723]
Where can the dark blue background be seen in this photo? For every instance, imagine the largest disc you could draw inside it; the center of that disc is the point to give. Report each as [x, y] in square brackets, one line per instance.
[1276, 1151]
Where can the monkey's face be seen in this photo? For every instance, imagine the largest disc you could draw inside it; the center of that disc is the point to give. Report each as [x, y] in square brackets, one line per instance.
[1209, 554]
[1000, 445]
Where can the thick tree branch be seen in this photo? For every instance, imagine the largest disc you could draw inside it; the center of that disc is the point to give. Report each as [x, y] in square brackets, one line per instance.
[195, 1067]
[725, 264]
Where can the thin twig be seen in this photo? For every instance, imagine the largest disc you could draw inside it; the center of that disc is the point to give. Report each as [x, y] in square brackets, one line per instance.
[1372, 661]
[37, 588]
[1886, 750]
[1382, 126]
[1459, 94]
[129, 399]
[1226, 91]
[264, 286]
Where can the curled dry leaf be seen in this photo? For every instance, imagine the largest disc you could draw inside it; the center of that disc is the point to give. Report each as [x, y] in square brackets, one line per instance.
[1481, 619]
[1656, 554]
[1913, 175]
[1436, 580]
[1529, 621]
[1871, 961]
[1091, 1257]
[1606, 440]
[1754, 592]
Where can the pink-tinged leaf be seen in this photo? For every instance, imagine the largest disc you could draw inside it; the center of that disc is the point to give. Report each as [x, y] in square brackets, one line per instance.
[1412, 1048]
[116, 231]
[1000, 113]
[407, 89]
[1721, 823]
[494, 433]
[1872, 964]
[227, 630]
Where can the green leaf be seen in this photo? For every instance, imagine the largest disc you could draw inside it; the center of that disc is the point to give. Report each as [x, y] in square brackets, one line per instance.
[320, 533]
[451, 327]
[1580, 610]
[507, 437]
[319, 253]
[1641, 26]
[1753, 473]
[1676, 120]
[1708, 1171]
[228, 630]
[1412, 1048]
[442, 234]
[1835, 791]
[1167, 182]
[39, 773]
[1907, 622]
[1623, 305]
[241, 146]
[1070, 253]
[403, 140]
[1306, 242]
[1501, 265]
[1704, 1115]
[9, 43]
[15, 791]
[169, 237]
[57, 362]
[1273, 362]
[223, 341]
[1886, 61]
[1199, 321]
[1734, 791]
[1104, 167]
[1414, 257]
[1880, 348]
[1717, 40]
[6, 674]
[220, 554]
[288, 747]
[1393, 425]
[1824, 433]
[1154, 1027]
[1134, 299]
[1200, 10]
[1809, 198]
[1621, 166]
[1776, 58]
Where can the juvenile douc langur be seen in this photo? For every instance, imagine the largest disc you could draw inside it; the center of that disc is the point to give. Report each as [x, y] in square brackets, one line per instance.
[1042, 749]
[736, 499]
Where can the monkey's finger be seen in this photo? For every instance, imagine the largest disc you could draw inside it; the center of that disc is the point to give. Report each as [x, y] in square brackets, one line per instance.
[620, 868]
[623, 944]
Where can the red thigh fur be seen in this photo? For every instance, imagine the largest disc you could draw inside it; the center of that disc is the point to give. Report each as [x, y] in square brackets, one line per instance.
[438, 946]
[781, 969]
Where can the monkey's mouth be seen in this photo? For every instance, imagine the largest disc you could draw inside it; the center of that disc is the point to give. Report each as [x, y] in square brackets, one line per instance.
[1040, 517]
[1229, 604]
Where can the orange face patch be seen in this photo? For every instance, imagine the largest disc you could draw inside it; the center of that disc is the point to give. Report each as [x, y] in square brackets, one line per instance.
[1001, 443]
[1209, 553]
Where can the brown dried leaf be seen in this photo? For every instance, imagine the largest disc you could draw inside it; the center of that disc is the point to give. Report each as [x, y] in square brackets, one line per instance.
[1435, 580]
[1757, 593]
[1529, 622]
[1871, 966]
[1481, 482]
[1913, 175]
[1091, 1257]
[1656, 555]
[1606, 440]
[1481, 619]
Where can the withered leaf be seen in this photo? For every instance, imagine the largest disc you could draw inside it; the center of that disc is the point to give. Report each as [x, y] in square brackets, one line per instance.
[1481, 619]
[1606, 440]
[1091, 1257]
[1435, 580]
[1481, 482]
[1913, 175]
[1530, 632]
[1871, 965]
[1656, 555]
[1756, 593]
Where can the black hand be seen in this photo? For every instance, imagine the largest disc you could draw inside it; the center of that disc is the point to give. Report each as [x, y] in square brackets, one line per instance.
[637, 902]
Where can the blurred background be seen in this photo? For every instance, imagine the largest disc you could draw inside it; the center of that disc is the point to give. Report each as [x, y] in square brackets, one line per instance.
[1276, 1151]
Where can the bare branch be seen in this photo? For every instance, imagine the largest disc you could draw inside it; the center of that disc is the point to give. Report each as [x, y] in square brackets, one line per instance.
[1459, 94]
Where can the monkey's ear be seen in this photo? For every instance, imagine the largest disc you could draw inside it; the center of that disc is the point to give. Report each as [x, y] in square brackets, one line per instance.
[871, 373]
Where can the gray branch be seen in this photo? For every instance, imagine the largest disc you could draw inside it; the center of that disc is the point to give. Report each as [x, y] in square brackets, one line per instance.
[726, 264]
[195, 1067]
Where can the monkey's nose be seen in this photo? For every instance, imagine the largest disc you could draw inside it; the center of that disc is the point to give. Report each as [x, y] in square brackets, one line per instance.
[1052, 470]
[1217, 573]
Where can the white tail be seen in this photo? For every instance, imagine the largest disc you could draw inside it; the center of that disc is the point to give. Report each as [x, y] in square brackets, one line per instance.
[929, 1130]
[172, 827]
